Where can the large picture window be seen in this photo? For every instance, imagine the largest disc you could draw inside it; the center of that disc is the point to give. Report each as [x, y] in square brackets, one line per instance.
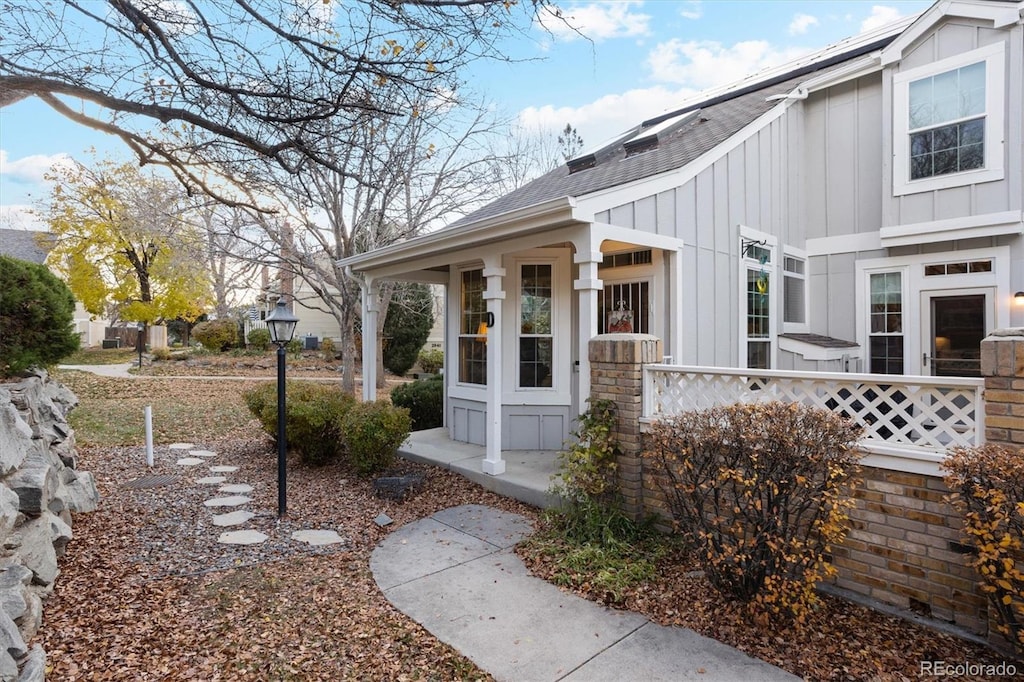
[885, 336]
[536, 340]
[472, 329]
[948, 121]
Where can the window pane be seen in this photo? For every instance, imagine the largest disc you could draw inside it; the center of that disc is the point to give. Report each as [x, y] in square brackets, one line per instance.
[921, 103]
[921, 167]
[793, 304]
[535, 362]
[625, 308]
[535, 300]
[472, 361]
[757, 355]
[886, 355]
[972, 90]
[972, 156]
[472, 340]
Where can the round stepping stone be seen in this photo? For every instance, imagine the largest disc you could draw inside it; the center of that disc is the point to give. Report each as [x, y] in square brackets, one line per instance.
[223, 470]
[181, 446]
[211, 480]
[317, 537]
[233, 501]
[202, 453]
[236, 489]
[234, 518]
[190, 461]
[241, 537]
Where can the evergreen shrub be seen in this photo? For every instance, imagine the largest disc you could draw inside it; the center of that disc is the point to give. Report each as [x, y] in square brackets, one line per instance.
[36, 317]
[424, 398]
[373, 432]
[216, 335]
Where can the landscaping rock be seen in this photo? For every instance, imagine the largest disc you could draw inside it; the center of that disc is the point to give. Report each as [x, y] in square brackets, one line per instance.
[9, 511]
[30, 621]
[37, 552]
[11, 641]
[232, 501]
[234, 518]
[397, 487]
[12, 602]
[33, 666]
[8, 668]
[82, 495]
[15, 435]
[35, 486]
[60, 534]
[242, 537]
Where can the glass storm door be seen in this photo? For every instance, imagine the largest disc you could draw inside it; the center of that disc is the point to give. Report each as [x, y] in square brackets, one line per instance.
[957, 325]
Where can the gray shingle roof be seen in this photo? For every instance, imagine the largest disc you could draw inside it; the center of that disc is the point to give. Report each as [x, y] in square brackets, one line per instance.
[22, 244]
[718, 119]
[820, 340]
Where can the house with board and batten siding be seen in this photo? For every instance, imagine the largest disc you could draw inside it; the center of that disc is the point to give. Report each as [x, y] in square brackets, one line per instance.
[858, 210]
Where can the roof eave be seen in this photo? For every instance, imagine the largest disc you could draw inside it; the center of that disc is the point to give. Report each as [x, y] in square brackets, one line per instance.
[558, 211]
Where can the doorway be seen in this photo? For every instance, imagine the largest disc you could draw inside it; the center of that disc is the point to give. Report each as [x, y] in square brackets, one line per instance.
[958, 321]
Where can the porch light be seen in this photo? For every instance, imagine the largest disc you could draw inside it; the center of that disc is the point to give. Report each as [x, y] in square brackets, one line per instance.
[1018, 298]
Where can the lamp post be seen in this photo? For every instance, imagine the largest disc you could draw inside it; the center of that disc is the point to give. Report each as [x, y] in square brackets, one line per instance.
[140, 343]
[281, 324]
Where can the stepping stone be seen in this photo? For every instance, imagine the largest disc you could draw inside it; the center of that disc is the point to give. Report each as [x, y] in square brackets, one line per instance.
[181, 446]
[211, 480]
[317, 537]
[202, 453]
[234, 518]
[233, 501]
[223, 470]
[190, 461]
[235, 489]
[241, 537]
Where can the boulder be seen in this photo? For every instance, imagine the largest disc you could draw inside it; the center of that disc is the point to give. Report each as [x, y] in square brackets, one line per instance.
[33, 666]
[11, 640]
[82, 495]
[30, 621]
[60, 534]
[12, 602]
[35, 486]
[9, 511]
[8, 668]
[14, 575]
[36, 550]
[15, 435]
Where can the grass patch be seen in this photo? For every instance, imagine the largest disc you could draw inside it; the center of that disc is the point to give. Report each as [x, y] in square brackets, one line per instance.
[111, 410]
[597, 549]
[101, 356]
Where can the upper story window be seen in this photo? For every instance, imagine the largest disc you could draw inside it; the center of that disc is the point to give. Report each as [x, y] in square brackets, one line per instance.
[948, 122]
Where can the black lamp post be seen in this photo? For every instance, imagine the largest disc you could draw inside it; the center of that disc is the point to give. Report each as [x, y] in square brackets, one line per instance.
[281, 324]
[140, 342]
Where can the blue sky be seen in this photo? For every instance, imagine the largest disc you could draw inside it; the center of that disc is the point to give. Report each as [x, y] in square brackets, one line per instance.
[642, 58]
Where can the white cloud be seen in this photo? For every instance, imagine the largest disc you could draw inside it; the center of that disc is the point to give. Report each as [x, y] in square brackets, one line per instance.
[801, 23]
[30, 169]
[691, 10]
[20, 217]
[598, 21]
[608, 116]
[880, 16]
[703, 63]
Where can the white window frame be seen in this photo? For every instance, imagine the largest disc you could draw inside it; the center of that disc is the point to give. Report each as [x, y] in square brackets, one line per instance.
[554, 333]
[904, 333]
[459, 335]
[801, 255]
[772, 268]
[995, 96]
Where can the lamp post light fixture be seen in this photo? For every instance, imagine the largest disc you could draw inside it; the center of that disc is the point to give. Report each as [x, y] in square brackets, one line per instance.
[281, 324]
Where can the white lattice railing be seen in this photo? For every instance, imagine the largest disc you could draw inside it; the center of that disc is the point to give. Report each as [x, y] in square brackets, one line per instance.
[927, 414]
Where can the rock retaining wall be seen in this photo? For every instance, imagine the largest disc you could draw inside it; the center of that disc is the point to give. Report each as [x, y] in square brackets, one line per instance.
[40, 488]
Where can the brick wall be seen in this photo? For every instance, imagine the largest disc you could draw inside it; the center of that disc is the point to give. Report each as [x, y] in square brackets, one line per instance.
[904, 545]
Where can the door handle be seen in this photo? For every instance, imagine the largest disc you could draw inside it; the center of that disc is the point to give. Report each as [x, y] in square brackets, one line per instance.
[924, 359]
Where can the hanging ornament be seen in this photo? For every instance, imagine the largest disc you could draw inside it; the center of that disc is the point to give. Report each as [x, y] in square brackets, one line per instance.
[761, 284]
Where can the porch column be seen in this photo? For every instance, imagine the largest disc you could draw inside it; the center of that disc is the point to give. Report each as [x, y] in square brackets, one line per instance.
[494, 295]
[588, 285]
[674, 324]
[370, 312]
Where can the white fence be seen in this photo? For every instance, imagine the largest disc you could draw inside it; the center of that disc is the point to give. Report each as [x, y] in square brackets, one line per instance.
[908, 413]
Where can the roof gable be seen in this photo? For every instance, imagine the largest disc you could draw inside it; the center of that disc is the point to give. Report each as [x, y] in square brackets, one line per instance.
[999, 12]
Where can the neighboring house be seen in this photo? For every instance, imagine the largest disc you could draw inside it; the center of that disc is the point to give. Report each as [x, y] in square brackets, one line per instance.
[857, 210]
[24, 245]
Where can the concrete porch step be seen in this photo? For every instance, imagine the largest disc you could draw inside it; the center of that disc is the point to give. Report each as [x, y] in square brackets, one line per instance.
[528, 473]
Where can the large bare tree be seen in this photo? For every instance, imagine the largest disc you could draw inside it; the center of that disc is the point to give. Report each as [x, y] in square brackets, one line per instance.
[184, 83]
[404, 174]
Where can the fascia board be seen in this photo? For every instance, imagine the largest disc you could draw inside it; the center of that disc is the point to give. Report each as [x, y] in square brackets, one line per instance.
[520, 221]
[864, 66]
[987, 225]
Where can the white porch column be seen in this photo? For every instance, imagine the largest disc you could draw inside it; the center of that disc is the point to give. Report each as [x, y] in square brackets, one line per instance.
[675, 311]
[587, 285]
[494, 295]
[370, 312]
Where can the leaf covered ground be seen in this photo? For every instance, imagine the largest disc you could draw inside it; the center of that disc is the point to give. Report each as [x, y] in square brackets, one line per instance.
[146, 592]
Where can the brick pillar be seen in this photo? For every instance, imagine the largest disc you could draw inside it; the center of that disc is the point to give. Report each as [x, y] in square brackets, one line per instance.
[1002, 365]
[616, 374]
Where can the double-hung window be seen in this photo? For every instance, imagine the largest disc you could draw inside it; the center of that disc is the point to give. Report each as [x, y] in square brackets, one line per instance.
[758, 298]
[948, 122]
[536, 336]
[885, 330]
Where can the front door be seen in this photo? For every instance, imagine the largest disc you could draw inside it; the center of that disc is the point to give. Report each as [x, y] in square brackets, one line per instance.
[955, 323]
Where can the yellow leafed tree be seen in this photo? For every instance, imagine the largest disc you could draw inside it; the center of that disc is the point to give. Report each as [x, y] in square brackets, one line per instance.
[122, 242]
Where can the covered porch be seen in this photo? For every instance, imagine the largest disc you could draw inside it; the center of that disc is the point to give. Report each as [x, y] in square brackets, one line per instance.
[526, 290]
[528, 473]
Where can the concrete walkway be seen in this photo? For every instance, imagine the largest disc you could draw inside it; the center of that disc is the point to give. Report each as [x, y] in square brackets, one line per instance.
[456, 574]
[119, 370]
